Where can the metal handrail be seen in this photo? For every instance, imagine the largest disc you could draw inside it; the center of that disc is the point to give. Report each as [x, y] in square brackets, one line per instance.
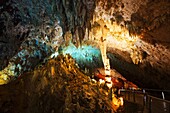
[156, 90]
[149, 102]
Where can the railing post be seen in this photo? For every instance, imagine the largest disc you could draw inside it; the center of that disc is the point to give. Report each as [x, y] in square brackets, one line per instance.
[150, 104]
[164, 103]
[119, 91]
[144, 98]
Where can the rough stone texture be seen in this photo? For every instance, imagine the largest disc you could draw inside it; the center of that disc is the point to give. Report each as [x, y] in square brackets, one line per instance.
[56, 87]
[137, 33]
[147, 53]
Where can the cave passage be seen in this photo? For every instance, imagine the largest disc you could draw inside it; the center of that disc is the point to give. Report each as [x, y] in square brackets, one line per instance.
[59, 55]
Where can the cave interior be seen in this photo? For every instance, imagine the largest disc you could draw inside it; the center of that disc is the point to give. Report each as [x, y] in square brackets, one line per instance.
[67, 56]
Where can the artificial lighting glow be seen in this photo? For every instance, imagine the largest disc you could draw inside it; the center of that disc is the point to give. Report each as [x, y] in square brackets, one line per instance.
[54, 54]
[85, 55]
[93, 80]
[109, 85]
[101, 81]
[108, 79]
[107, 72]
[117, 101]
[117, 36]
[121, 101]
[52, 71]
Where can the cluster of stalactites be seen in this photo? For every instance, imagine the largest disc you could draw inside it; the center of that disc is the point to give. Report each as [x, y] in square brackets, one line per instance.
[115, 33]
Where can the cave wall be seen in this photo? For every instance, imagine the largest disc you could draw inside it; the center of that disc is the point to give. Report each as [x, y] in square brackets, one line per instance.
[138, 31]
[137, 34]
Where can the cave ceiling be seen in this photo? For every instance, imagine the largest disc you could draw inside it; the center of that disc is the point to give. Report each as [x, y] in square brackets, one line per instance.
[137, 31]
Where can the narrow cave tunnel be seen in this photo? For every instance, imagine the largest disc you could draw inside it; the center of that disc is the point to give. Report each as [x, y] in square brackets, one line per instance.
[57, 55]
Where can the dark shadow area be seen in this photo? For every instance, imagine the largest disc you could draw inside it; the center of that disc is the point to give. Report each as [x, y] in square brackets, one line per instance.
[130, 107]
[151, 21]
[18, 17]
[140, 76]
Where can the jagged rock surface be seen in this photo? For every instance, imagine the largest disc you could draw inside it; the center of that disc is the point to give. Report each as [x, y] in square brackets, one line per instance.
[137, 34]
[147, 19]
[56, 87]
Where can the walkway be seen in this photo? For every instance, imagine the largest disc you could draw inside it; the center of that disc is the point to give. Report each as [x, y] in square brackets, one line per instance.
[141, 102]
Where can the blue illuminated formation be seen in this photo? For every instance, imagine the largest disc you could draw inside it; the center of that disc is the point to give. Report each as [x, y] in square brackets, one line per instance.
[86, 55]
